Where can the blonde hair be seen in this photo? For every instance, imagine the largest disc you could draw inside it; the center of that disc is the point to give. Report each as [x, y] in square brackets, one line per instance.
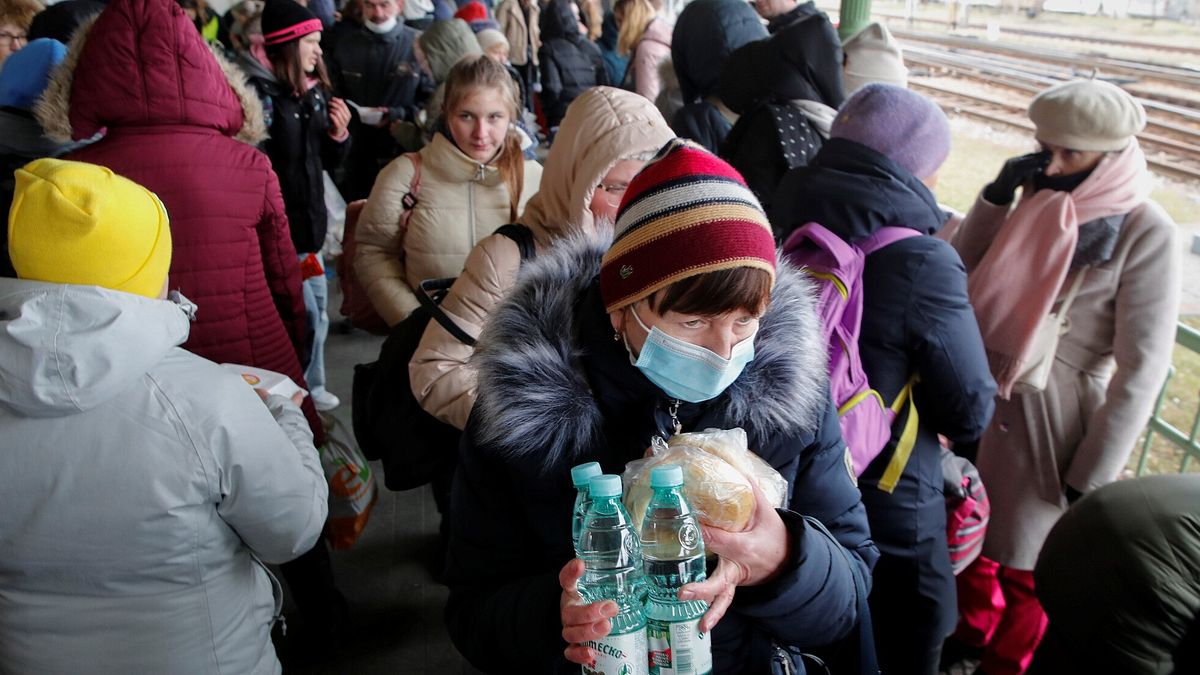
[637, 15]
[19, 13]
[593, 16]
[478, 71]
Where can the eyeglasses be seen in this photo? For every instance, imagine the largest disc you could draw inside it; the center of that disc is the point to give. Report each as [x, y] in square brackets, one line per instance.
[613, 191]
[6, 37]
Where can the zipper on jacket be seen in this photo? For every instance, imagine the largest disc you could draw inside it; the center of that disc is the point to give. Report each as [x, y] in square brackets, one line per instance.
[673, 411]
[471, 212]
[276, 595]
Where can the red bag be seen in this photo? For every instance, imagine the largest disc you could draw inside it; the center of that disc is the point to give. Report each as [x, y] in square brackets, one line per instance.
[356, 306]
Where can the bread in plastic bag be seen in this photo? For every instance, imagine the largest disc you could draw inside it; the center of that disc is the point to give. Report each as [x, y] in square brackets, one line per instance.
[717, 470]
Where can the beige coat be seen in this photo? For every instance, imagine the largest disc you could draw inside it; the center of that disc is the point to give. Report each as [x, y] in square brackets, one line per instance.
[602, 126]
[1107, 373]
[461, 201]
[519, 32]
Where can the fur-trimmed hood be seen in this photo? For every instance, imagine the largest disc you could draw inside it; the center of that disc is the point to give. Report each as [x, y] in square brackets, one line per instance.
[142, 63]
[535, 397]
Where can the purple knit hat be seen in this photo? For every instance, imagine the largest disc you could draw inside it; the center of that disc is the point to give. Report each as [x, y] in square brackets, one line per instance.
[902, 125]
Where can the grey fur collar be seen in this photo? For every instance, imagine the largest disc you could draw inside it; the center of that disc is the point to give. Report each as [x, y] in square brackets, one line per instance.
[52, 109]
[533, 396]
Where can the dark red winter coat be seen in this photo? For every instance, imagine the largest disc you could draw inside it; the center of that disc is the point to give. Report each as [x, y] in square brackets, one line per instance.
[182, 122]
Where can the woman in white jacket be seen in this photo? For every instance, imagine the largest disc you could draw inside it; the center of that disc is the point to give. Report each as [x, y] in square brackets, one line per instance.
[144, 487]
[473, 179]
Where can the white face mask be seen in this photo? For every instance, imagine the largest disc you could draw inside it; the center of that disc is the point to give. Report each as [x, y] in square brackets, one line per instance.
[381, 28]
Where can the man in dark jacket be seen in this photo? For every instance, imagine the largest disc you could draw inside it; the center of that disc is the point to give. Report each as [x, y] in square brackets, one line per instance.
[1119, 577]
[916, 320]
[780, 14]
[373, 65]
[785, 90]
[569, 62]
[558, 386]
[706, 32]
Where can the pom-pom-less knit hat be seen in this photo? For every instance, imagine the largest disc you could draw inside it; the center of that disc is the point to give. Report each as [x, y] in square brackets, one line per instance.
[285, 20]
[686, 213]
[27, 72]
[1088, 115]
[78, 223]
[873, 55]
[902, 125]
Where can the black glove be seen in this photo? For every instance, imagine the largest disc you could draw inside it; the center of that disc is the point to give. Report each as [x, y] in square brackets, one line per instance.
[1015, 172]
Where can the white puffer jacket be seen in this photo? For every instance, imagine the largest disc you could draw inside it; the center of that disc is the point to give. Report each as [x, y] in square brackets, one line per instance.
[141, 485]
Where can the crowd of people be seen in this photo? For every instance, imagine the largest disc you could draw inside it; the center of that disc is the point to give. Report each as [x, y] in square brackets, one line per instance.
[171, 176]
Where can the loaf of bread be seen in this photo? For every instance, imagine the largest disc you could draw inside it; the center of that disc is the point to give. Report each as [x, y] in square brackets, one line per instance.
[731, 445]
[717, 473]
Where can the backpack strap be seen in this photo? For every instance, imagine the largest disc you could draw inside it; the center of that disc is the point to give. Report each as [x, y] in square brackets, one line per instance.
[522, 236]
[908, 436]
[431, 291]
[883, 237]
[409, 201]
[430, 295]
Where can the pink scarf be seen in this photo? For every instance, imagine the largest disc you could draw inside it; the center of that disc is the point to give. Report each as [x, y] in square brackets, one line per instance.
[1017, 281]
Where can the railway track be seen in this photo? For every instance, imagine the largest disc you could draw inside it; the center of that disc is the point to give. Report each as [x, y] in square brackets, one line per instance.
[1080, 64]
[1029, 32]
[1166, 156]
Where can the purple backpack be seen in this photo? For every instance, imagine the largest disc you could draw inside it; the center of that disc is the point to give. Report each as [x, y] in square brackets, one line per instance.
[866, 419]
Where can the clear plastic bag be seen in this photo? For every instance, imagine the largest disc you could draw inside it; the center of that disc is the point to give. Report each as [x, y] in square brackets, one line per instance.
[717, 470]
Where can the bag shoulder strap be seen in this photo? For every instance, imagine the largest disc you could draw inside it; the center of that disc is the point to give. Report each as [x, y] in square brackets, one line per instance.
[522, 236]
[885, 236]
[1071, 293]
[409, 201]
[431, 291]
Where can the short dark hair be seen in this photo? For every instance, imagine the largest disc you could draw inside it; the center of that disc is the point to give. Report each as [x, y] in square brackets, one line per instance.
[715, 293]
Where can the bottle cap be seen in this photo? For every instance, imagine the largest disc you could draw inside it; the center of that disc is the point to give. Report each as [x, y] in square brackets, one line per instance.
[607, 485]
[582, 474]
[668, 475]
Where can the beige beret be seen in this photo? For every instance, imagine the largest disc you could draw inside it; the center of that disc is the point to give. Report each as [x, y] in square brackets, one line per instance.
[1087, 115]
[873, 55]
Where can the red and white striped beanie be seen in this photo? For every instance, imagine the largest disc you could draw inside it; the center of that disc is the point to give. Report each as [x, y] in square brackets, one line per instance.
[686, 213]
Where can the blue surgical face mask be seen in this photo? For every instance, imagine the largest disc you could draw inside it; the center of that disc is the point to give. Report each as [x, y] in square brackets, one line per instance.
[686, 371]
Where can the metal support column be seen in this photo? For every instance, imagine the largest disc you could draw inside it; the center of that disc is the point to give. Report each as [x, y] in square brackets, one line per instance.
[854, 15]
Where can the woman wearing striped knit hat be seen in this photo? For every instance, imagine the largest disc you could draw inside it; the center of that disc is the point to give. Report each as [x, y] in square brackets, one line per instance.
[685, 321]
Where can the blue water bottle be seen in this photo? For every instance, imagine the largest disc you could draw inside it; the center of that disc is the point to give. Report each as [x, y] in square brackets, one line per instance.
[581, 478]
[673, 555]
[612, 560]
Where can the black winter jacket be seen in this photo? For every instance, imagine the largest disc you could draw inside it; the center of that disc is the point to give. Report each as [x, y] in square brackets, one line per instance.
[375, 71]
[802, 60]
[706, 32]
[556, 390]
[916, 319]
[570, 63]
[300, 149]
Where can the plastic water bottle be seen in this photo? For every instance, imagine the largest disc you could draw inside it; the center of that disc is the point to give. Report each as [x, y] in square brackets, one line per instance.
[673, 551]
[612, 559]
[581, 477]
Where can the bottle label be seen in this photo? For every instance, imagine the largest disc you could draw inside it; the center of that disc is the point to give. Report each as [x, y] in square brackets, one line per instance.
[619, 655]
[678, 648]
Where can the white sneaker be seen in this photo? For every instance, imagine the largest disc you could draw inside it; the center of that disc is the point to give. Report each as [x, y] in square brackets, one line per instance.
[325, 401]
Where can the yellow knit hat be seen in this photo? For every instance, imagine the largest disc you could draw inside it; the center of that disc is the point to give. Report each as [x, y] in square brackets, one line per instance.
[78, 223]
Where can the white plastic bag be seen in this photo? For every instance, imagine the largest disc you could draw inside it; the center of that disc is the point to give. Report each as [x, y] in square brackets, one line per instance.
[352, 490]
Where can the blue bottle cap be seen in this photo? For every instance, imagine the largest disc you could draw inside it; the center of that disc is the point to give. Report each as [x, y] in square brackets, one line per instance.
[668, 475]
[582, 474]
[607, 485]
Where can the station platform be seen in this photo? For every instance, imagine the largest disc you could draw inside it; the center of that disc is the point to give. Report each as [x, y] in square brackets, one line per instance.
[395, 622]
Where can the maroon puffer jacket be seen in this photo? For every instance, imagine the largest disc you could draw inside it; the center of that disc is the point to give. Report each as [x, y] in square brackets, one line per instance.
[172, 111]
